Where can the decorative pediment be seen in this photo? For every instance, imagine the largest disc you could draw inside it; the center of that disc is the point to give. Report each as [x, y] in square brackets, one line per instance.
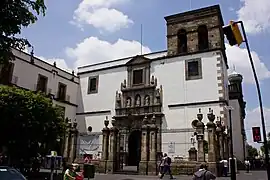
[138, 60]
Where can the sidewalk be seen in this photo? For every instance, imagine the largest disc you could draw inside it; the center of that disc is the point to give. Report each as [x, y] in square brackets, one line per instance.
[255, 175]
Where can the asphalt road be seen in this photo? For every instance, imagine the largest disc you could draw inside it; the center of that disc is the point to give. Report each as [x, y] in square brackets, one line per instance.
[255, 175]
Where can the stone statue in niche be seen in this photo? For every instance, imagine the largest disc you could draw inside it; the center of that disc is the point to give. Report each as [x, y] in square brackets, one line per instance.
[128, 102]
[125, 83]
[147, 100]
[118, 99]
[192, 140]
[152, 80]
[138, 101]
[158, 96]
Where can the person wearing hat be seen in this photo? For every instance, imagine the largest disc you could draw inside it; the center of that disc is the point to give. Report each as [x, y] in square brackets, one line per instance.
[203, 173]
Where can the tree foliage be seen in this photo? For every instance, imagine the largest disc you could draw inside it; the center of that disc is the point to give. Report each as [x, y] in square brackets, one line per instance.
[29, 121]
[15, 14]
[268, 143]
[252, 152]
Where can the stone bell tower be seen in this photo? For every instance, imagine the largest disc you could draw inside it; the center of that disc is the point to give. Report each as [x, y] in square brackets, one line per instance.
[195, 31]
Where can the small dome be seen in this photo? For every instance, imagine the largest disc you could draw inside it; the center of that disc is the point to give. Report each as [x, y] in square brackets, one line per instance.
[234, 76]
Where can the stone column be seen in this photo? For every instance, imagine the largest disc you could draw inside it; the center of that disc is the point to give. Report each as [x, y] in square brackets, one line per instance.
[143, 166]
[75, 141]
[200, 136]
[226, 146]
[218, 140]
[72, 147]
[211, 129]
[111, 163]
[68, 141]
[105, 146]
[152, 164]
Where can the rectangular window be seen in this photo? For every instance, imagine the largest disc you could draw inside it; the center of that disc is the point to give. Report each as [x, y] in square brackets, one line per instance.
[92, 85]
[62, 91]
[138, 76]
[6, 73]
[42, 83]
[193, 69]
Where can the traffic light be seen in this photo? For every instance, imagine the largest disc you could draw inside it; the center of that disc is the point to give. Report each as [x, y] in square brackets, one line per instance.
[256, 132]
[233, 34]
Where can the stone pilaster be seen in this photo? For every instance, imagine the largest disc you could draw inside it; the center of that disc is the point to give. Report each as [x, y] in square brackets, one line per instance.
[218, 142]
[111, 163]
[226, 147]
[211, 129]
[105, 146]
[73, 141]
[143, 166]
[67, 140]
[200, 136]
[152, 164]
[72, 147]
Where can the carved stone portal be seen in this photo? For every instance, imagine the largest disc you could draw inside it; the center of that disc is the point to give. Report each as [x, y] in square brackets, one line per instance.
[138, 120]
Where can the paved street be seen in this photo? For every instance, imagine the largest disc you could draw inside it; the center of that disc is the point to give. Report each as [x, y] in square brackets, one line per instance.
[256, 175]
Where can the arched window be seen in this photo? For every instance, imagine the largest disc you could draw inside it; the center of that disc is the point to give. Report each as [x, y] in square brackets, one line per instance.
[203, 37]
[182, 41]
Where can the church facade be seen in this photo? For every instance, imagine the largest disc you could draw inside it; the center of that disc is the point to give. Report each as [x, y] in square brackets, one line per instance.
[154, 98]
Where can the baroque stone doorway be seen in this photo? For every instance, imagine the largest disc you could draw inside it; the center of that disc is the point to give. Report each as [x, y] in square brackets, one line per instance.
[134, 148]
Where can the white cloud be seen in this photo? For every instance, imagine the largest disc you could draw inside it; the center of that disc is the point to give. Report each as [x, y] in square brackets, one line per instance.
[238, 57]
[93, 50]
[253, 119]
[255, 15]
[61, 63]
[101, 15]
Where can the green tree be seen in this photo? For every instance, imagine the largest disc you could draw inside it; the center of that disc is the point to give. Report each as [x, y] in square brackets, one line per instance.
[29, 121]
[252, 151]
[268, 143]
[15, 14]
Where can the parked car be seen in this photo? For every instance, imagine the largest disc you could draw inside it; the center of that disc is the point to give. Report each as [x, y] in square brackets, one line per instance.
[9, 173]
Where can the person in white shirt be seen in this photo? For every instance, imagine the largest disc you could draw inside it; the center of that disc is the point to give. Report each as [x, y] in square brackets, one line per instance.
[247, 164]
[225, 167]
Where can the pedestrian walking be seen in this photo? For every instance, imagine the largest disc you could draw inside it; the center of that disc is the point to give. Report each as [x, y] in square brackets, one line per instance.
[247, 164]
[225, 167]
[167, 166]
[161, 166]
[203, 174]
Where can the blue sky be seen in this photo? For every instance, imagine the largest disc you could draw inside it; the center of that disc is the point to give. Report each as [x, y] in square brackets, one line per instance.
[75, 33]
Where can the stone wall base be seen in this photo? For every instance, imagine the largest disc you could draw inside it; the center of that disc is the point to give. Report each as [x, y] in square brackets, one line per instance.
[212, 166]
[152, 168]
[102, 166]
[143, 167]
[111, 166]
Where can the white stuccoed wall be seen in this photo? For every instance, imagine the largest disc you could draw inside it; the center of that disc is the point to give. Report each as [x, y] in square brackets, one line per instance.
[27, 77]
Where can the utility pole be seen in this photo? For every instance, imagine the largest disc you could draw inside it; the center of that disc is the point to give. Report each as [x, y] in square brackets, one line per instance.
[266, 150]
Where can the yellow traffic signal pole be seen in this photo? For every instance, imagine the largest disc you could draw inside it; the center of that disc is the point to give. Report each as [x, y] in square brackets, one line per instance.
[266, 150]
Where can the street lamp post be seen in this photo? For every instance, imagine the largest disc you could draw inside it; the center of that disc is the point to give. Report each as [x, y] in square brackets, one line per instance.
[266, 150]
[232, 162]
